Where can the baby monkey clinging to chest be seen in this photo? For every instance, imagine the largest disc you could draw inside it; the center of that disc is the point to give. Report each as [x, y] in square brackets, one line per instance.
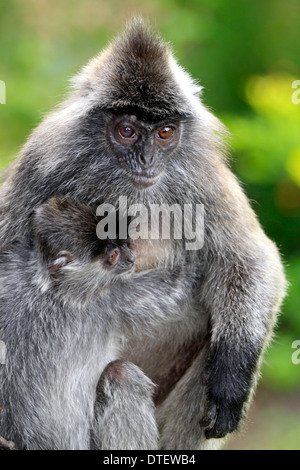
[66, 239]
[72, 279]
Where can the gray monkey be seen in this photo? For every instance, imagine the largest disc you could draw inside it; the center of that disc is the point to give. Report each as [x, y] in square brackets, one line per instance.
[52, 397]
[134, 126]
[66, 323]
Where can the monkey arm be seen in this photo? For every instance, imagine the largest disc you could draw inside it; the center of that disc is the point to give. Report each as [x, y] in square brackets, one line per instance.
[241, 291]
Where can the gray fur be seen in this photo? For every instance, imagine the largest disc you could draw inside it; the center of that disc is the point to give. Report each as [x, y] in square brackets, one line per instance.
[62, 332]
[228, 293]
[124, 411]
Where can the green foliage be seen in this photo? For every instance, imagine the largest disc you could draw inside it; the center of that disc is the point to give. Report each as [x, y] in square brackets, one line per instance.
[246, 54]
[279, 371]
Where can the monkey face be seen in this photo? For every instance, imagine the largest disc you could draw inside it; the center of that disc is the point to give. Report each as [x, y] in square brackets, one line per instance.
[142, 147]
[69, 272]
[132, 126]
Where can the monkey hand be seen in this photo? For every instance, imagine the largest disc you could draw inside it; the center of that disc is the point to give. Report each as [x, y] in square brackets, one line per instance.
[62, 259]
[224, 403]
[6, 445]
[221, 416]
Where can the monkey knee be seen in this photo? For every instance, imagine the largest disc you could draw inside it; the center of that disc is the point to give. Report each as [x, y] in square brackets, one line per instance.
[127, 376]
[115, 371]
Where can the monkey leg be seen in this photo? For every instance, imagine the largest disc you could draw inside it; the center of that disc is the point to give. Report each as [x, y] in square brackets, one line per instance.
[179, 415]
[124, 410]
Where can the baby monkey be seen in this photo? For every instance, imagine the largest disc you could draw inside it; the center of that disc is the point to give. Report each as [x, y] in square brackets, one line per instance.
[66, 240]
[70, 280]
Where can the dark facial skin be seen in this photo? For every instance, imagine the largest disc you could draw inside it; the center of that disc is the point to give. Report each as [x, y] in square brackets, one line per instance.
[142, 146]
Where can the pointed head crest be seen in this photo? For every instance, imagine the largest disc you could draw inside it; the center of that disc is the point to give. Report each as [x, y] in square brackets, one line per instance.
[138, 71]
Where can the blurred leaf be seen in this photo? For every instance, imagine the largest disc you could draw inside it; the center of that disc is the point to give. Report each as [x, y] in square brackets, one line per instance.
[293, 165]
[271, 95]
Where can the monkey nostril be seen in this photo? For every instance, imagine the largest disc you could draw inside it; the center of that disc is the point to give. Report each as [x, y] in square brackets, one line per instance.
[146, 161]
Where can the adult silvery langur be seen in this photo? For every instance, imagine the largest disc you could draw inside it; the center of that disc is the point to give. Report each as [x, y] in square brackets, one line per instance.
[134, 125]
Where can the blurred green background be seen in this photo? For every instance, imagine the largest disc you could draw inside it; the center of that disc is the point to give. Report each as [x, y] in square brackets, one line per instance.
[247, 55]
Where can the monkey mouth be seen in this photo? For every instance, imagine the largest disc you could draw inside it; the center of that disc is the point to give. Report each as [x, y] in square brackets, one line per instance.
[144, 181]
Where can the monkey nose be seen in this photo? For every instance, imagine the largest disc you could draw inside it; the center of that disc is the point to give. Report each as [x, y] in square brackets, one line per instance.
[131, 258]
[145, 160]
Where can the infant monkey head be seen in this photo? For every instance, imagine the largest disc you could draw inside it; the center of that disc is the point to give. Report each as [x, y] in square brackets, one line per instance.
[66, 240]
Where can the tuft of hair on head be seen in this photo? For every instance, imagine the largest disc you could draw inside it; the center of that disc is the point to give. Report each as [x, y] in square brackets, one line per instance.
[137, 72]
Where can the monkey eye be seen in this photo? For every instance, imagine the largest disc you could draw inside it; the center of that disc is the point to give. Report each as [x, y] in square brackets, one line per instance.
[166, 132]
[126, 132]
[114, 256]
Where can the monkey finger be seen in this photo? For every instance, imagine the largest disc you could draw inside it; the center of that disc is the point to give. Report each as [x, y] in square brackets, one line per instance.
[6, 445]
[214, 433]
[210, 416]
[205, 377]
[226, 422]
